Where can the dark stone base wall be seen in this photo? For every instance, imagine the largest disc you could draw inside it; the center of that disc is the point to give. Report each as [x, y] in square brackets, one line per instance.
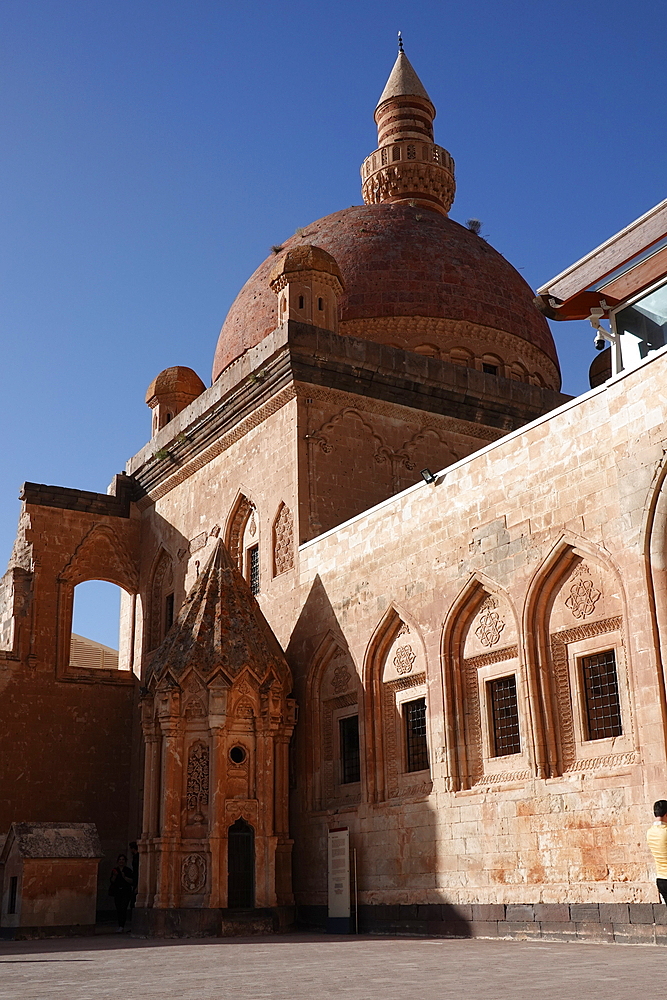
[193, 923]
[39, 933]
[624, 923]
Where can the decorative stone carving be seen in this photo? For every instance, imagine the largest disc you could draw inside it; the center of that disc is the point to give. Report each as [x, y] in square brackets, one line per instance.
[283, 541]
[193, 873]
[198, 767]
[403, 630]
[194, 709]
[252, 525]
[490, 623]
[341, 679]
[404, 659]
[583, 595]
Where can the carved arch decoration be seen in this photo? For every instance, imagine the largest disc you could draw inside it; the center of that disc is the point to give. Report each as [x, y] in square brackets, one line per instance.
[101, 555]
[395, 662]
[575, 600]
[283, 540]
[480, 635]
[243, 516]
[162, 583]
[321, 436]
[332, 686]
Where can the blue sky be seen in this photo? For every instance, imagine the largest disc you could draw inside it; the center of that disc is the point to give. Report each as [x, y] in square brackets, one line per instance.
[153, 152]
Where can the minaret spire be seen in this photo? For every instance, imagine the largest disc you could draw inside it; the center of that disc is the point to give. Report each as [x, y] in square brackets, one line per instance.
[407, 166]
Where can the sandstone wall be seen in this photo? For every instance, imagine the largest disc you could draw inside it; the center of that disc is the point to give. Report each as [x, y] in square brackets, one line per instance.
[517, 531]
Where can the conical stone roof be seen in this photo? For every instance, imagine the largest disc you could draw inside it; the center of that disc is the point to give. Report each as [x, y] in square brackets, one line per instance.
[403, 82]
[220, 625]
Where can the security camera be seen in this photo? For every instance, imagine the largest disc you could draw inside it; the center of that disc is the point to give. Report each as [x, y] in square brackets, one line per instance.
[599, 343]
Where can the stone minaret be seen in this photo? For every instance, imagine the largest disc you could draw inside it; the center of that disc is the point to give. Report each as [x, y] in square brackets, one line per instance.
[407, 166]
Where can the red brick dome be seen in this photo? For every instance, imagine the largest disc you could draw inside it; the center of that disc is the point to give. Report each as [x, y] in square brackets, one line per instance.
[413, 279]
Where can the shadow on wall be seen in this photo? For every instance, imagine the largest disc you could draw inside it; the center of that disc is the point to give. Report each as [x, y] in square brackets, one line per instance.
[396, 847]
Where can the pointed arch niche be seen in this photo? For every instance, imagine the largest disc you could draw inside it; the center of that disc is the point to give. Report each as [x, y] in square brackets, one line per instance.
[575, 616]
[332, 706]
[396, 692]
[487, 694]
[242, 540]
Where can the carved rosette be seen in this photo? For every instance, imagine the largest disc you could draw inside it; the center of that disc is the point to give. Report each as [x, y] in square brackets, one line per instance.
[193, 873]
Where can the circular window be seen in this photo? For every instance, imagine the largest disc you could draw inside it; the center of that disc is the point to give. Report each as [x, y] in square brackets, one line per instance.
[237, 755]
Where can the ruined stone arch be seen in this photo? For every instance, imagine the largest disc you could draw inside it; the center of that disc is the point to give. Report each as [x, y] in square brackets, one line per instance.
[575, 605]
[242, 520]
[100, 555]
[480, 640]
[283, 540]
[394, 667]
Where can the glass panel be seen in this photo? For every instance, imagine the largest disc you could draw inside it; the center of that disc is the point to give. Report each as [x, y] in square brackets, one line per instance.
[603, 709]
[414, 713]
[350, 763]
[505, 712]
[642, 326]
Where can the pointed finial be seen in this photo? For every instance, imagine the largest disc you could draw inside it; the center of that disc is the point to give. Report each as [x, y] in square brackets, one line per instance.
[400, 42]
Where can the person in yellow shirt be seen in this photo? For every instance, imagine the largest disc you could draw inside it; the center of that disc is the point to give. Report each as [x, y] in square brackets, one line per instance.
[656, 836]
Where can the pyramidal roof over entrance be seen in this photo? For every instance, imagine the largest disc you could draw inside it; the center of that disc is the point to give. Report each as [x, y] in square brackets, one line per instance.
[403, 81]
[220, 625]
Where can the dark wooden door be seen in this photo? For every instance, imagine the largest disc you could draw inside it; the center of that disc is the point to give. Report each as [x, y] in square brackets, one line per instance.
[241, 866]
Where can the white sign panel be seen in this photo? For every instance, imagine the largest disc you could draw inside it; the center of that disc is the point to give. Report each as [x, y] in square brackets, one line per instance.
[339, 872]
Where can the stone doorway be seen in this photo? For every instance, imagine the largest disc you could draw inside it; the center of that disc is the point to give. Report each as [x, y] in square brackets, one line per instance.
[241, 866]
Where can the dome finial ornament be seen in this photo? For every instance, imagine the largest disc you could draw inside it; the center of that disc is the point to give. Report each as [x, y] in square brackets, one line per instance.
[407, 166]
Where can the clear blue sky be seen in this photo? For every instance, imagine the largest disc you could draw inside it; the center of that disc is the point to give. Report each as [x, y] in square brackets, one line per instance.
[153, 150]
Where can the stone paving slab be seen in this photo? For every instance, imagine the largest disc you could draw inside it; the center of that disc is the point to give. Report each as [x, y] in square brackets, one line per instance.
[320, 967]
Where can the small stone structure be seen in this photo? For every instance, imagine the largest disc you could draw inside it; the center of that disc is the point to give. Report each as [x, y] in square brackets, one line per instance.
[49, 879]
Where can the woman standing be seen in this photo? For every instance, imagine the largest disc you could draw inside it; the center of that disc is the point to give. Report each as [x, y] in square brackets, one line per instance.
[121, 887]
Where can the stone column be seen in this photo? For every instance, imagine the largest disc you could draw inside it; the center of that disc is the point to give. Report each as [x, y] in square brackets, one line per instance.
[168, 894]
[146, 890]
[217, 721]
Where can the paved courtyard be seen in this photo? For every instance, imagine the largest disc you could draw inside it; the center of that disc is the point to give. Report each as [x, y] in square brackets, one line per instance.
[317, 967]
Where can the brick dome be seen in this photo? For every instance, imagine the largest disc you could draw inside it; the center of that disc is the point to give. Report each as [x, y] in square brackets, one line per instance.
[413, 279]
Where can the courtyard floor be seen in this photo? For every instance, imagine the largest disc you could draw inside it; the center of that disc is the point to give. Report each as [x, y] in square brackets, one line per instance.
[319, 967]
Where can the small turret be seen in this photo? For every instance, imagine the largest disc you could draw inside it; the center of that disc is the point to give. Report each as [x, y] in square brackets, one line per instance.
[308, 283]
[170, 392]
[407, 165]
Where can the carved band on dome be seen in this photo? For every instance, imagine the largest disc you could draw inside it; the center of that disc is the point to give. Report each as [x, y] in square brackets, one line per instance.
[450, 333]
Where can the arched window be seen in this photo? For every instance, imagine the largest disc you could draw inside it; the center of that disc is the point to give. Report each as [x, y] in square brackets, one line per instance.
[162, 608]
[243, 541]
[461, 356]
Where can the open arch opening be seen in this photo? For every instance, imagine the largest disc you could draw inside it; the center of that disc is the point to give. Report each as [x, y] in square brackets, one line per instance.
[241, 866]
[101, 626]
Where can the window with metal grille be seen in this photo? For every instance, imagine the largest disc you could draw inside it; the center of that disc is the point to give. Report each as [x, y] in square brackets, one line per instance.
[505, 716]
[350, 762]
[603, 707]
[253, 569]
[13, 893]
[168, 612]
[416, 747]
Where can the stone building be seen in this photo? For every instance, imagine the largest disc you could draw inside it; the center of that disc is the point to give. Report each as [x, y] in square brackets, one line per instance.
[462, 668]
